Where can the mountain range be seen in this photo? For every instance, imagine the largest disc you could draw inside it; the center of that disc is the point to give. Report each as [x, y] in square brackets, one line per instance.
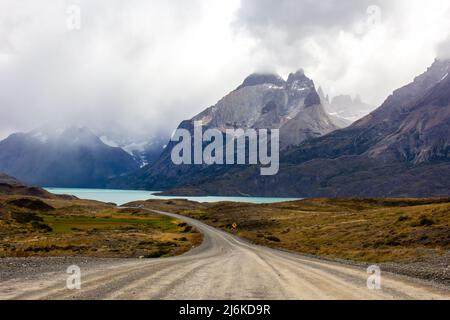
[262, 101]
[71, 157]
[144, 148]
[401, 149]
[345, 107]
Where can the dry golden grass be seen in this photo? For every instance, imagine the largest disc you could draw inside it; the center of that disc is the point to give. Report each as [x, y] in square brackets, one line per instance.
[31, 226]
[372, 230]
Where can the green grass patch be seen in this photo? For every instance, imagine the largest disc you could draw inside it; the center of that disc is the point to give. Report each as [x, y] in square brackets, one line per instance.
[68, 224]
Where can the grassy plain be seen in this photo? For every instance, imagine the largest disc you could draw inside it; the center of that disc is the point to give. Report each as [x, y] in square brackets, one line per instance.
[367, 230]
[31, 226]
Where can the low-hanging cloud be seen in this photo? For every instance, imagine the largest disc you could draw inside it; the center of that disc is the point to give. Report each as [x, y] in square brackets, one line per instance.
[444, 49]
[352, 46]
[302, 18]
[145, 65]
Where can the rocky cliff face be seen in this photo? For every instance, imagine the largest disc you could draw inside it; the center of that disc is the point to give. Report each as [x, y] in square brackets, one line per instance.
[266, 101]
[262, 101]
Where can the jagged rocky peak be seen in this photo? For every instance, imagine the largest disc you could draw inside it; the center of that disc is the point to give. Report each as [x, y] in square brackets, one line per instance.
[437, 72]
[325, 99]
[299, 74]
[256, 79]
[267, 101]
[345, 107]
[296, 81]
[299, 84]
[299, 80]
[343, 100]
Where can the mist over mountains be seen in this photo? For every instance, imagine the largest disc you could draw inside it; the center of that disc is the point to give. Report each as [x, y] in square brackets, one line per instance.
[122, 67]
[345, 107]
[71, 157]
[78, 156]
[262, 101]
[402, 149]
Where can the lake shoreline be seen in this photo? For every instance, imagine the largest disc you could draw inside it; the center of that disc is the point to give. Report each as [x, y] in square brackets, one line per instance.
[121, 197]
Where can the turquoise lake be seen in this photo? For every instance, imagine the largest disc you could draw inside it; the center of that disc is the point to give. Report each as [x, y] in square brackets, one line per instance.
[124, 196]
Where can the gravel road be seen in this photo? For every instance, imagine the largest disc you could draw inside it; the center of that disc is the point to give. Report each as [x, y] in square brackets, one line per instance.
[223, 267]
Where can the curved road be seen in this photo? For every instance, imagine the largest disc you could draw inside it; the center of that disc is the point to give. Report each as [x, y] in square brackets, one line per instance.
[223, 267]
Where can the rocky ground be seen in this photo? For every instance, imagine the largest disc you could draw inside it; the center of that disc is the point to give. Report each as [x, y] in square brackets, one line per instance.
[13, 268]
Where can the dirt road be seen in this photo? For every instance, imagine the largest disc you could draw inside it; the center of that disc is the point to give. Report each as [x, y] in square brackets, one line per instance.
[223, 267]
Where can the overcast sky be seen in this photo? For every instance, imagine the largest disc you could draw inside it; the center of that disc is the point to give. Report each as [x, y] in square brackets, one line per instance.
[148, 64]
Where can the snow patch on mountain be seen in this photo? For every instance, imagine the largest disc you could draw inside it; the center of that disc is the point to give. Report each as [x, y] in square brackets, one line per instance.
[40, 136]
[134, 147]
[108, 142]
